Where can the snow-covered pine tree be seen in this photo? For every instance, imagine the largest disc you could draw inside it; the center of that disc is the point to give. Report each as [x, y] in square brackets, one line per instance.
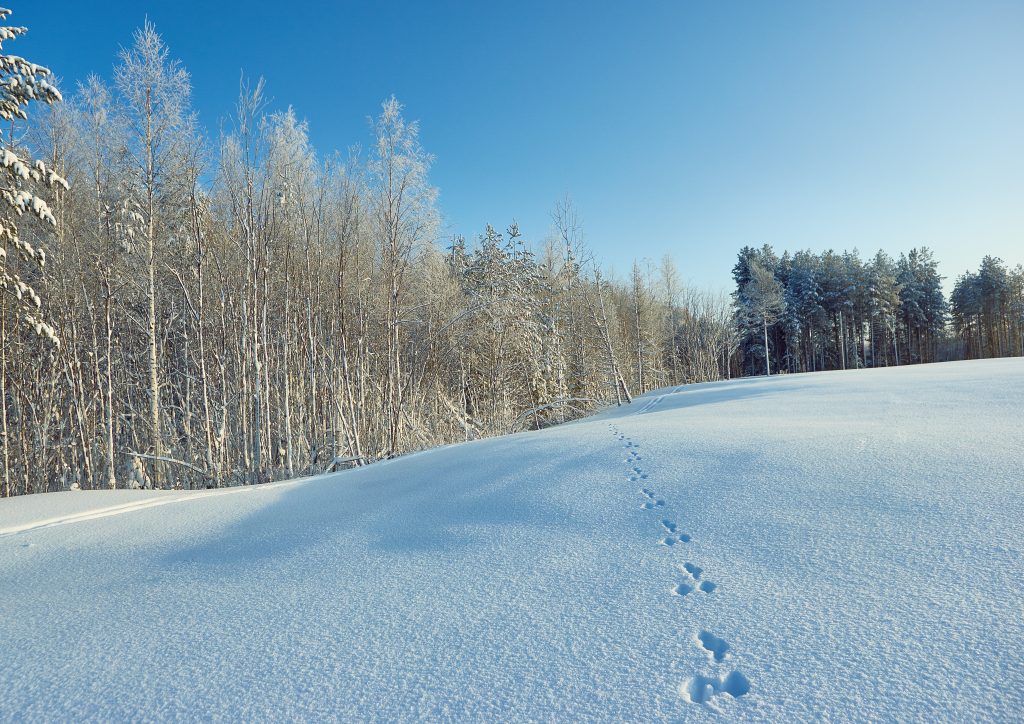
[21, 83]
[766, 303]
[804, 318]
[884, 296]
[922, 303]
[988, 310]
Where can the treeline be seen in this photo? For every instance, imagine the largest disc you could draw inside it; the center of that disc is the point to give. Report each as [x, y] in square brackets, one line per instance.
[988, 310]
[804, 311]
[182, 312]
[195, 313]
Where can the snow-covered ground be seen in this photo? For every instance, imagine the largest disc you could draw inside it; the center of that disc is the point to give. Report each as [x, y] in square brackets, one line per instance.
[845, 545]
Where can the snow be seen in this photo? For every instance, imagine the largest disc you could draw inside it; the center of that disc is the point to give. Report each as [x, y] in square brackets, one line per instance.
[843, 545]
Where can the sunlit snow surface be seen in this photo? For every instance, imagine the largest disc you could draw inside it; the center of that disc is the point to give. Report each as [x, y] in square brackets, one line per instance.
[842, 545]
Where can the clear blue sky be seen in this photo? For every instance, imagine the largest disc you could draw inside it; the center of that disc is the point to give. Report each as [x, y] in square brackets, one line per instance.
[677, 127]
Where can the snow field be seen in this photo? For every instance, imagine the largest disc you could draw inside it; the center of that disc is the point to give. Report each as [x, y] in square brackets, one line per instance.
[804, 547]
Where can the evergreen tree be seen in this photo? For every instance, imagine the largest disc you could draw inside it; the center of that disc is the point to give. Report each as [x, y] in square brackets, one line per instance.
[883, 296]
[22, 180]
[765, 302]
[922, 304]
[804, 316]
[986, 310]
[751, 326]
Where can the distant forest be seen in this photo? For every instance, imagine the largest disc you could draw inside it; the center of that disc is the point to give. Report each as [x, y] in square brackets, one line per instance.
[177, 311]
[803, 312]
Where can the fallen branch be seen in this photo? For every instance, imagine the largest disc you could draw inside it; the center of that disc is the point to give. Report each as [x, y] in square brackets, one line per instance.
[336, 462]
[162, 459]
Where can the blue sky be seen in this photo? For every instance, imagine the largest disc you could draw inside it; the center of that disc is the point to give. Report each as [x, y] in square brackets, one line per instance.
[689, 128]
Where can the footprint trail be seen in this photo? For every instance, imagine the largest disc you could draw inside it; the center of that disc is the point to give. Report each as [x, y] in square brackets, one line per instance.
[700, 688]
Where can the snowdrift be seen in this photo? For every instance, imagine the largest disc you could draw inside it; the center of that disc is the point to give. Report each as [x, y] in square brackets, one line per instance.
[835, 545]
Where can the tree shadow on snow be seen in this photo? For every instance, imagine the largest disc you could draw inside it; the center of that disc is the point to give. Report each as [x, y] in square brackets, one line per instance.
[713, 393]
[439, 500]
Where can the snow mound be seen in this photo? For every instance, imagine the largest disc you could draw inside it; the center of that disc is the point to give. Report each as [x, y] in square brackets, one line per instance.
[804, 547]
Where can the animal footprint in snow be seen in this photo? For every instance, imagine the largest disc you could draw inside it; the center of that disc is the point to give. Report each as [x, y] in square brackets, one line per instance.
[682, 589]
[652, 501]
[718, 648]
[701, 689]
[674, 536]
[692, 582]
[694, 572]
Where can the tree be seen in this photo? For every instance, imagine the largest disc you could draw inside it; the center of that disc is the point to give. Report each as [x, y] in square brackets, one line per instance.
[641, 334]
[21, 83]
[765, 301]
[599, 313]
[21, 181]
[986, 310]
[669, 278]
[753, 331]
[922, 303]
[571, 284]
[155, 92]
[884, 304]
[805, 317]
[403, 209]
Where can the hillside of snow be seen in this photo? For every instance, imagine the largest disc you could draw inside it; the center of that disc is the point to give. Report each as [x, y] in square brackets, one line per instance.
[836, 545]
